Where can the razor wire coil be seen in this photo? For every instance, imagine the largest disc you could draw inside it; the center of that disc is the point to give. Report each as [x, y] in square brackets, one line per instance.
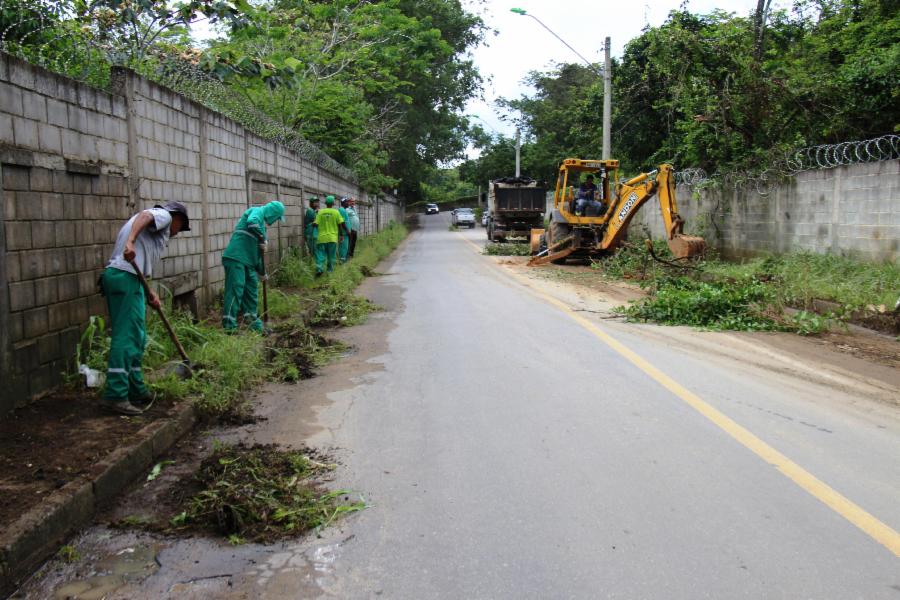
[810, 158]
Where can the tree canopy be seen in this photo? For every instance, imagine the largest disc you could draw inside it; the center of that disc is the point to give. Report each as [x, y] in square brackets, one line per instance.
[379, 86]
[719, 91]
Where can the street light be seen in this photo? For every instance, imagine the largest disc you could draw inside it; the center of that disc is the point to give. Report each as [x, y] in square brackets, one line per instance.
[606, 73]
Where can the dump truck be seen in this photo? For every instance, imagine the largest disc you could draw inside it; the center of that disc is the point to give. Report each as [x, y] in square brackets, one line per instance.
[592, 219]
[516, 205]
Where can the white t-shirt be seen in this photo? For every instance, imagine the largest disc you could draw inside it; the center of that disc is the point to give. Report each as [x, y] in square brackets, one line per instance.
[149, 246]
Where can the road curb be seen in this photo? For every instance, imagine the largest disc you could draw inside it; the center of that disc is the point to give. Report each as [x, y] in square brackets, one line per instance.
[38, 532]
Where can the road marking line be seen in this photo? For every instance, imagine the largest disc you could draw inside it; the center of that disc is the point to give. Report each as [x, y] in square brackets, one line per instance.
[877, 530]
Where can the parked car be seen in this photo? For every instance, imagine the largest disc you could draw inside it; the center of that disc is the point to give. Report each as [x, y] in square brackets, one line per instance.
[432, 209]
[463, 216]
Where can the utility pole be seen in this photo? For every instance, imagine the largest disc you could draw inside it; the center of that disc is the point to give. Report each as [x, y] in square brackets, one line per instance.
[607, 102]
[606, 73]
[518, 149]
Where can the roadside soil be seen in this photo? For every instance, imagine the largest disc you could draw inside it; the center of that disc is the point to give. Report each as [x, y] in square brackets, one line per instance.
[851, 353]
[57, 439]
[128, 553]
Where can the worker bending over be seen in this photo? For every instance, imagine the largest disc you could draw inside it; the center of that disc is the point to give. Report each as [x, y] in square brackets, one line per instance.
[243, 259]
[143, 241]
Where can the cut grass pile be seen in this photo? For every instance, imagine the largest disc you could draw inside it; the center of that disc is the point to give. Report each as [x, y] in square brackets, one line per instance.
[295, 351]
[753, 295]
[507, 249]
[261, 494]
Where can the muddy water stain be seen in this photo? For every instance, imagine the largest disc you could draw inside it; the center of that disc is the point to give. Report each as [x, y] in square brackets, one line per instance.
[113, 572]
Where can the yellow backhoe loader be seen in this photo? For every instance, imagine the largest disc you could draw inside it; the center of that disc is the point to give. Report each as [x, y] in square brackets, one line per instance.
[591, 219]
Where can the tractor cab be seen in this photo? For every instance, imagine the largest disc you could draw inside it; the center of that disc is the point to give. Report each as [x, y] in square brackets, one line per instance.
[584, 189]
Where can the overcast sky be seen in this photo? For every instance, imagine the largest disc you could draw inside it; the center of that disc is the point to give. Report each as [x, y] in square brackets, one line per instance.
[522, 45]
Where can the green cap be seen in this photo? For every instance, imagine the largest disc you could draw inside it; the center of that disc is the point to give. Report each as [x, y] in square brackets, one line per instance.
[329, 200]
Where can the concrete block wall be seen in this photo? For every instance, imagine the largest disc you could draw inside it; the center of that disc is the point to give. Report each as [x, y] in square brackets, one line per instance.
[845, 211]
[76, 162]
[60, 228]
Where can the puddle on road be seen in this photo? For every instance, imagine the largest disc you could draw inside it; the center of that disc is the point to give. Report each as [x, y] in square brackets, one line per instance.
[299, 567]
[113, 572]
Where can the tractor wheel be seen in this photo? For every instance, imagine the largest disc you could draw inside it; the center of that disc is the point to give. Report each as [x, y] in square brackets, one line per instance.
[558, 231]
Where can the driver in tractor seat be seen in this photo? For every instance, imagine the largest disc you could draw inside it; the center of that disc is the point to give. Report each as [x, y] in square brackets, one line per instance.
[585, 202]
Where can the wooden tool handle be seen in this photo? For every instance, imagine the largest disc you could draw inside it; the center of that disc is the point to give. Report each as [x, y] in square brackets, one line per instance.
[161, 314]
[265, 273]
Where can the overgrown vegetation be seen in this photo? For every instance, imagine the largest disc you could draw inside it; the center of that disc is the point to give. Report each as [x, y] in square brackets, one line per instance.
[333, 294]
[231, 364]
[755, 294]
[507, 249]
[261, 494]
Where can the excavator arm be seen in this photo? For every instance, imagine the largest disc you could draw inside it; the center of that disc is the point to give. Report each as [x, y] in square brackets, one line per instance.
[632, 195]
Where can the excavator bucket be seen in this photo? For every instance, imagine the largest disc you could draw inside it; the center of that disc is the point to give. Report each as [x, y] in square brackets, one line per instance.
[535, 239]
[686, 246]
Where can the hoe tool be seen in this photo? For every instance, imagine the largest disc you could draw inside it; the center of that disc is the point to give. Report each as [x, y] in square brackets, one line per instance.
[265, 282]
[183, 369]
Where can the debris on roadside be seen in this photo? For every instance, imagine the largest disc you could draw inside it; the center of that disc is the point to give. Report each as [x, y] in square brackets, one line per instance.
[506, 249]
[261, 493]
[295, 351]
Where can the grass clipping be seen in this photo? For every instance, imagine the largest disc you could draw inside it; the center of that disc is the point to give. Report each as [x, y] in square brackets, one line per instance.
[261, 494]
[754, 295]
[507, 249]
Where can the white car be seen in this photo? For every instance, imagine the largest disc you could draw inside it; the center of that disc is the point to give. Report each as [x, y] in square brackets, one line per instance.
[432, 209]
[463, 216]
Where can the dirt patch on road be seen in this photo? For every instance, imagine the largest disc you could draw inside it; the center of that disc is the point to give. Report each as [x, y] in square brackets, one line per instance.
[578, 277]
[871, 347]
[58, 439]
[868, 354]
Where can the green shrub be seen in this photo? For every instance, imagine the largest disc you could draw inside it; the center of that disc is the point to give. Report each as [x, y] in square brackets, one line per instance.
[681, 301]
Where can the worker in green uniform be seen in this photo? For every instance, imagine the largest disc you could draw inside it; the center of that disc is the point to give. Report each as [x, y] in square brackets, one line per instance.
[309, 232]
[142, 241]
[352, 225]
[328, 223]
[344, 238]
[243, 260]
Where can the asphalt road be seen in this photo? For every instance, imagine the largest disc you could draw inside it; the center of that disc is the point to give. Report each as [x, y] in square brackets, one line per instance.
[511, 453]
[511, 443]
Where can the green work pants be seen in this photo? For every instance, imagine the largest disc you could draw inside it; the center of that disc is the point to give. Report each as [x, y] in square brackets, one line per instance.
[344, 248]
[311, 243]
[241, 295]
[127, 311]
[325, 252]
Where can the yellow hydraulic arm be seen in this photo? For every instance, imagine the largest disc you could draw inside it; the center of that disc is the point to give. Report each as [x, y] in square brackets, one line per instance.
[634, 193]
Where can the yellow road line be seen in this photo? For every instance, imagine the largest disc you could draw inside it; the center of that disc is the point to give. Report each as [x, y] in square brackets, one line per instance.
[877, 530]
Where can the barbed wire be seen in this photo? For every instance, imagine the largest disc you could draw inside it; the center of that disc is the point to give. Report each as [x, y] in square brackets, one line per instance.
[829, 156]
[810, 158]
[690, 176]
[31, 30]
